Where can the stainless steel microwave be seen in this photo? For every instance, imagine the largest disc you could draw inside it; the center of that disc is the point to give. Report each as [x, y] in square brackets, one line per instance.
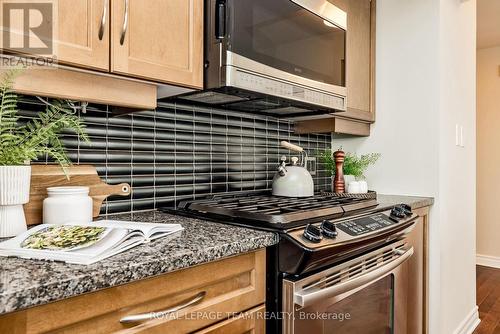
[282, 57]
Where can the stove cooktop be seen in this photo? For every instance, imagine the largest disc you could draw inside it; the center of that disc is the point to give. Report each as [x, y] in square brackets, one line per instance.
[314, 231]
[274, 211]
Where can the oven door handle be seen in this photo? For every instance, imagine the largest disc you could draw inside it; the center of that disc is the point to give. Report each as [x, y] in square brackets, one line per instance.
[306, 299]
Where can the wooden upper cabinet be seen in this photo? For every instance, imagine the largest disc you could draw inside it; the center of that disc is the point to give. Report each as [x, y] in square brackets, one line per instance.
[360, 55]
[360, 74]
[160, 40]
[83, 33]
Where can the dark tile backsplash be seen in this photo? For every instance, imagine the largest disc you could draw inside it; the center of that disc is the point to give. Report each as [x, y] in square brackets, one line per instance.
[181, 152]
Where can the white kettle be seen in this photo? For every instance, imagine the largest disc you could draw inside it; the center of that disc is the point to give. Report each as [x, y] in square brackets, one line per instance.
[293, 180]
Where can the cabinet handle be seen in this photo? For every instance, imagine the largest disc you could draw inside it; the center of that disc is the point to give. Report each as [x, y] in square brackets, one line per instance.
[125, 23]
[157, 315]
[102, 26]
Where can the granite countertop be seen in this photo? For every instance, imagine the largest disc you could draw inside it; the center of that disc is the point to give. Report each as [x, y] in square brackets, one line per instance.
[25, 283]
[415, 202]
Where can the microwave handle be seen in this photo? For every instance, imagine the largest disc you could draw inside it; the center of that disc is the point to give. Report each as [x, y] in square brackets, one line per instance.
[308, 299]
[220, 19]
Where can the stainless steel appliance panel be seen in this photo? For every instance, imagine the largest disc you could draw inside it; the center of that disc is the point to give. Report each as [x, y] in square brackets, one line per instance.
[290, 37]
[282, 58]
[364, 295]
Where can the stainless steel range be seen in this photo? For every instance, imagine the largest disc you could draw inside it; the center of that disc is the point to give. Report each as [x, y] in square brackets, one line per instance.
[340, 265]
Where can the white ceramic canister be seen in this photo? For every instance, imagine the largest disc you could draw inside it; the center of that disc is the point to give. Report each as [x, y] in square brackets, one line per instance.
[348, 179]
[363, 187]
[67, 205]
[353, 187]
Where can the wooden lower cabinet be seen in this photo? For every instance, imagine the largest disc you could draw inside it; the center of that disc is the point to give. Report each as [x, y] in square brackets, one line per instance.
[250, 322]
[228, 286]
[417, 291]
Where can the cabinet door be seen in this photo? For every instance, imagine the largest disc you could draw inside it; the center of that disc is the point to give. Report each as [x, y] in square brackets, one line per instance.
[250, 322]
[360, 55]
[203, 296]
[159, 40]
[83, 33]
[417, 285]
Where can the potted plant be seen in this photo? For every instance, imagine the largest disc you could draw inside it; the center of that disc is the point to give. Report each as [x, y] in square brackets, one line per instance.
[22, 142]
[354, 166]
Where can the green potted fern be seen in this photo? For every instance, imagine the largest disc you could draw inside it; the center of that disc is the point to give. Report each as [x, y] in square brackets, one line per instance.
[354, 166]
[23, 142]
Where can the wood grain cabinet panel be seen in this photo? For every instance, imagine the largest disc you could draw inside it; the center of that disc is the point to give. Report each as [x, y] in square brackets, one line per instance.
[418, 275]
[76, 37]
[250, 322]
[231, 285]
[360, 73]
[81, 41]
[360, 55]
[160, 40]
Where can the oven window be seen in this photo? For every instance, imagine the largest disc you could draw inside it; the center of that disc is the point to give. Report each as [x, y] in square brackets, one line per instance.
[368, 311]
[285, 36]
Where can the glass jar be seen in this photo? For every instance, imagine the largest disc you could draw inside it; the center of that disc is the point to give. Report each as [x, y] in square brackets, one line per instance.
[67, 205]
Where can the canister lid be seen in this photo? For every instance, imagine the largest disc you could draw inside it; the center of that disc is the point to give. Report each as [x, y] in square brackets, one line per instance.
[68, 190]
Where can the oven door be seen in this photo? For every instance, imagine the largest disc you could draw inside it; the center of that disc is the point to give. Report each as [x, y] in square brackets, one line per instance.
[366, 295]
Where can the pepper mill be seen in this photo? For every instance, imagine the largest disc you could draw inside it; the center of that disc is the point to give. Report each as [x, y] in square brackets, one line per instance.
[338, 180]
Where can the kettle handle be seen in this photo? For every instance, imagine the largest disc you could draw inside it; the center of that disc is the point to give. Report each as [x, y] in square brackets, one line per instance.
[291, 147]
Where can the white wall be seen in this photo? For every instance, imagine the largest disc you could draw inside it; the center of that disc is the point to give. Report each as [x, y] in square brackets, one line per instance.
[488, 154]
[425, 85]
[457, 182]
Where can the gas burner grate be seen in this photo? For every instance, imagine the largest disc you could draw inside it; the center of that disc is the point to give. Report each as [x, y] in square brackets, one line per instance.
[265, 208]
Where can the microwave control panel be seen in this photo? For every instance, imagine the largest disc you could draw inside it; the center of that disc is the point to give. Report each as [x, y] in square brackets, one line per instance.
[286, 90]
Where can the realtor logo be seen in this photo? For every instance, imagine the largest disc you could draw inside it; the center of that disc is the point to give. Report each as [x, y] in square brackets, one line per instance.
[28, 28]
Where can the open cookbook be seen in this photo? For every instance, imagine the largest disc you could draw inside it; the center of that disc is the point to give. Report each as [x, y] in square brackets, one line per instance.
[83, 243]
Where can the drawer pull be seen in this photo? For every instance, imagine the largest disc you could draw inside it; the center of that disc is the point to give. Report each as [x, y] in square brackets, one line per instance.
[157, 315]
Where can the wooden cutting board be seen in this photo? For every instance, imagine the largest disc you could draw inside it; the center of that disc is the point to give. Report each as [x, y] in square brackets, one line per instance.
[44, 176]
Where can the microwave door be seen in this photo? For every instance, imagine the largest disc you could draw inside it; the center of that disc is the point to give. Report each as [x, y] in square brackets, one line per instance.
[281, 35]
[324, 9]
[281, 57]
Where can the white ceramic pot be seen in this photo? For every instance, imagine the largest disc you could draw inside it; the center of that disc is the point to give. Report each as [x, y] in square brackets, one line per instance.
[353, 187]
[357, 187]
[14, 192]
[348, 179]
[67, 205]
[363, 187]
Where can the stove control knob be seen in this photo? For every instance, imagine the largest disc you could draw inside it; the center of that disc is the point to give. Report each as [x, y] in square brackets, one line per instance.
[328, 229]
[312, 233]
[397, 212]
[406, 209]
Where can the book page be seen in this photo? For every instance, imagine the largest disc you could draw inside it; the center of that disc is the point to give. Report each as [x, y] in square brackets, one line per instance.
[75, 243]
[148, 229]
